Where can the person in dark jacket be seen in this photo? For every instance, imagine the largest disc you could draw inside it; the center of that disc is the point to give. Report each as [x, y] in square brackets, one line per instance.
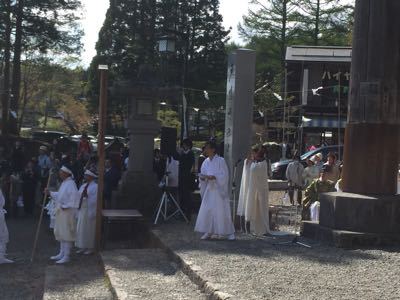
[159, 164]
[29, 178]
[17, 158]
[111, 178]
[186, 180]
[201, 159]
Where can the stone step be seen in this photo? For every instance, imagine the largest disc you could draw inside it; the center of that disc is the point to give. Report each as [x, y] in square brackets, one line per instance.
[147, 274]
[83, 278]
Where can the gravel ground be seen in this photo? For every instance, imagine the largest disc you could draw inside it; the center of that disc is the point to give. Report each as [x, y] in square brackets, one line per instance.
[147, 274]
[251, 268]
[81, 279]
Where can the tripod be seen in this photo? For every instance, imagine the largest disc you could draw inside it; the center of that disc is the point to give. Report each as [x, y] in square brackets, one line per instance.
[295, 240]
[167, 199]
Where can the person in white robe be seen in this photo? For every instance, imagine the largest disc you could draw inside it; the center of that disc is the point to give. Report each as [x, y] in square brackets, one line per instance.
[244, 185]
[294, 175]
[3, 232]
[66, 202]
[86, 226]
[214, 216]
[257, 206]
[311, 172]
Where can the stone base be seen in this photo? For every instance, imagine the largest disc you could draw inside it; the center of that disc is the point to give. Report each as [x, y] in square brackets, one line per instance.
[360, 213]
[349, 220]
[347, 239]
[139, 191]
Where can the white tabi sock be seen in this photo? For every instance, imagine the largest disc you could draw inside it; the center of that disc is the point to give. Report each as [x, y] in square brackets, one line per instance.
[3, 259]
[67, 252]
[60, 254]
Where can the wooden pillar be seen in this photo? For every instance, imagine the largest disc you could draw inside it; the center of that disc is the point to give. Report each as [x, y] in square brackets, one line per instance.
[101, 151]
[372, 135]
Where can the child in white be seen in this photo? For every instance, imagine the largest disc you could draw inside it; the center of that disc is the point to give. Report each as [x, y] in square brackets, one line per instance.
[3, 232]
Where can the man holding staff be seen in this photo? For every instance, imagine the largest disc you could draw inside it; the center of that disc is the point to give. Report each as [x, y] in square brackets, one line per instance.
[66, 202]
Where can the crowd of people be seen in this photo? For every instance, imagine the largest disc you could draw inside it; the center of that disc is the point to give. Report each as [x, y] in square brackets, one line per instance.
[313, 179]
[69, 182]
[214, 217]
[52, 178]
[23, 177]
[316, 178]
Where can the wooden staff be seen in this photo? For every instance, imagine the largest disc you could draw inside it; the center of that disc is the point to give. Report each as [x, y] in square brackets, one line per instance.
[40, 219]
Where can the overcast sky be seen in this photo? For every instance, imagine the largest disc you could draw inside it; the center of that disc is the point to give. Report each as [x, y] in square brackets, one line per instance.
[95, 10]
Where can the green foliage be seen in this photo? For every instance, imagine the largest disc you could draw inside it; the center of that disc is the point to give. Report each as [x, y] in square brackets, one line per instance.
[129, 37]
[272, 25]
[169, 118]
[325, 22]
[50, 89]
[38, 27]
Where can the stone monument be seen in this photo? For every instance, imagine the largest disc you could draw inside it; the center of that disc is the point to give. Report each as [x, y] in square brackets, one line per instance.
[239, 109]
[368, 211]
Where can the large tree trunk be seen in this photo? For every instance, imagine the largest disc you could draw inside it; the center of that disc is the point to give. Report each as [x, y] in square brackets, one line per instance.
[24, 102]
[5, 99]
[16, 78]
[283, 33]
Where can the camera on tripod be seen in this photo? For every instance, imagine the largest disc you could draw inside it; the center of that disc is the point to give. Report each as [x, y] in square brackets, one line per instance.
[168, 207]
[164, 181]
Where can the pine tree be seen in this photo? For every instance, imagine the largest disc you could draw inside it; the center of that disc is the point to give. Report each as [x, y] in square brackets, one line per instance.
[325, 22]
[130, 33]
[272, 19]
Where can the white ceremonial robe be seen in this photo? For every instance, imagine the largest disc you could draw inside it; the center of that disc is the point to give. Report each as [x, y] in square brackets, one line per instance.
[86, 227]
[215, 214]
[257, 208]
[244, 187]
[66, 202]
[3, 225]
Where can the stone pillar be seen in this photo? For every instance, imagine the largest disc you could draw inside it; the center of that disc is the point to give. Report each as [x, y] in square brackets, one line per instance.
[372, 133]
[140, 187]
[239, 108]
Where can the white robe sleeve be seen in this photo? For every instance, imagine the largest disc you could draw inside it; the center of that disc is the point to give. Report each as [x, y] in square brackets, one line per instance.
[67, 196]
[2, 203]
[221, 174]
[92, 200]
[203, 171]
[244, 186]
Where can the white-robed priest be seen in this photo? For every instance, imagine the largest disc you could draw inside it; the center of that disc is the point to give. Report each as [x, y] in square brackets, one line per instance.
[3, 232]
[257, 207]
[66, 202]
[86, 228]
[214, 216]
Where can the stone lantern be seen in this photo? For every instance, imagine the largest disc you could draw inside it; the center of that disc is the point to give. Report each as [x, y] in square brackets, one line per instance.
[139, 188]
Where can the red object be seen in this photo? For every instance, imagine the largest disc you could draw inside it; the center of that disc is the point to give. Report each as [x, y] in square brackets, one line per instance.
[84, 148]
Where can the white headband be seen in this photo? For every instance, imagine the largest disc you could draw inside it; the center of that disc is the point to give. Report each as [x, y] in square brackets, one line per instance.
[90, 173]
[66, 170]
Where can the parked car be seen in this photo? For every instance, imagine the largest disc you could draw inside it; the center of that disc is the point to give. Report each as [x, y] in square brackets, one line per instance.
[47, 135]
[279, 168]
